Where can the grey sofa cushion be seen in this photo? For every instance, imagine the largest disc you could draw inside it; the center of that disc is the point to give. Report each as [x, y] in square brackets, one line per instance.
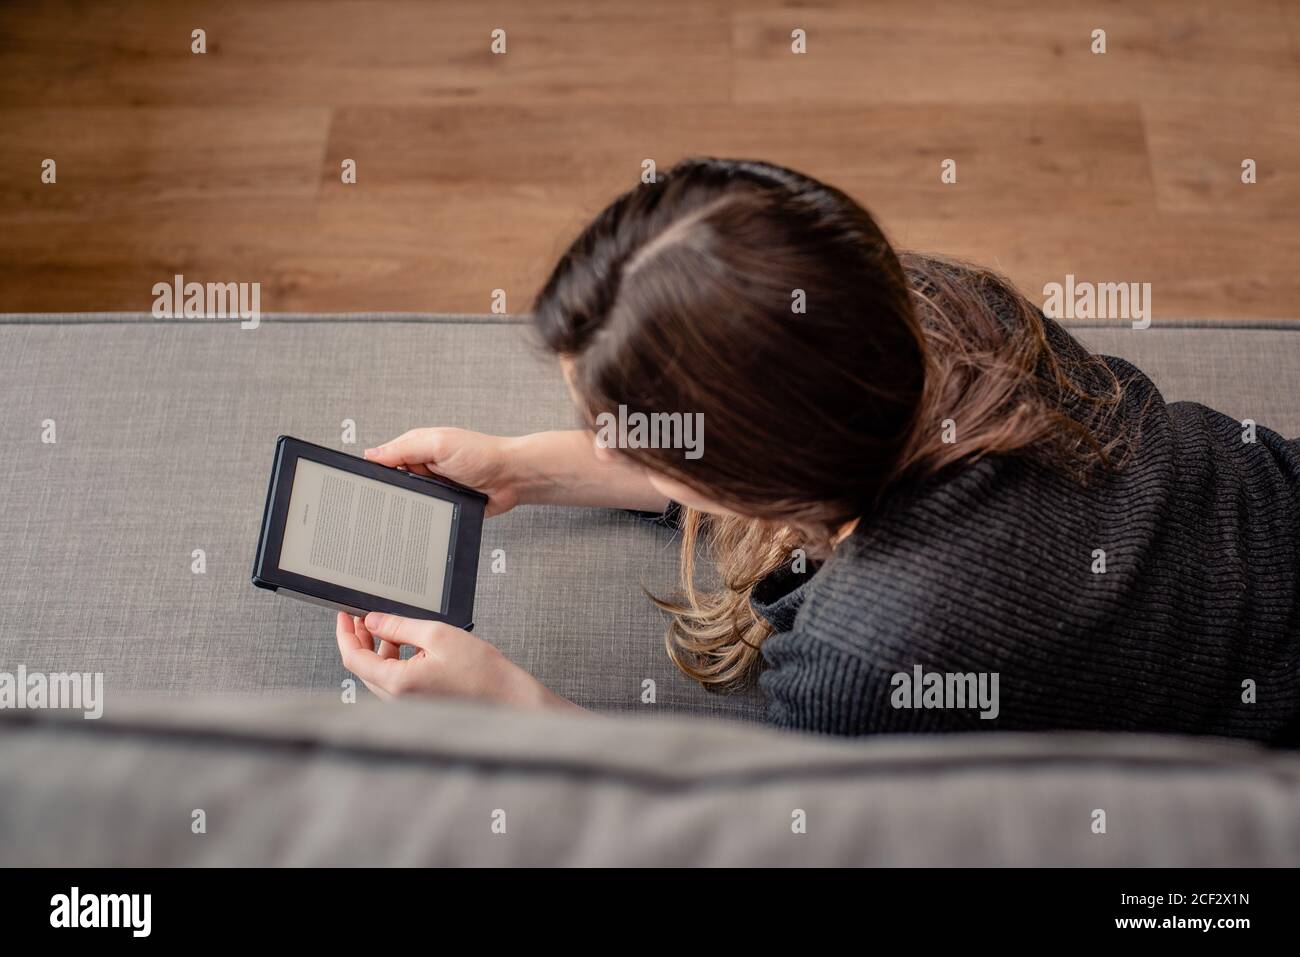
[164, 437]
[1246, 371]
[164, 441]
[418, 783]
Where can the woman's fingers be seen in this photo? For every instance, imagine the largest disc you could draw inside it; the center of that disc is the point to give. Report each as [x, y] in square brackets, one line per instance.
[386, 649]
[380, 675]
[415, 448]
[376, 672]
[401, 631]
[346, 633]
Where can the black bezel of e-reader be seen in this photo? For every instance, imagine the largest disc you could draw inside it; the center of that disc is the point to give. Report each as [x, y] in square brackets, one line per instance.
[466, 534]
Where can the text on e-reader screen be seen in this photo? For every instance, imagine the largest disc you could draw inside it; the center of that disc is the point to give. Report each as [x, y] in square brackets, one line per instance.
[370, 536]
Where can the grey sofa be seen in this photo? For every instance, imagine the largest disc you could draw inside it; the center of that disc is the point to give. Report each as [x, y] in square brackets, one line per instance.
[225, 699]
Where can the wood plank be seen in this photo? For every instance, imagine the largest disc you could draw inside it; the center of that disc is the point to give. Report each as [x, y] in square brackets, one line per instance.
[1197, 150]
[449, 257]
[1010, 158]
[305, 52]
[141, 164]
[475, 171]
[1199, 265]
[950, 51]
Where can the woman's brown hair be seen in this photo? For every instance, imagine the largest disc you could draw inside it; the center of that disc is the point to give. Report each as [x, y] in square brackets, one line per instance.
[829, 371]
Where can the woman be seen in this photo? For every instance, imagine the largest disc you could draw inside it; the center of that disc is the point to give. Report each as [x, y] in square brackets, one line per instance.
[917, 489]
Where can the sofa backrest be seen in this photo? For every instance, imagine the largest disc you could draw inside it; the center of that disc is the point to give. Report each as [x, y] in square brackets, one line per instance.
[320, 782]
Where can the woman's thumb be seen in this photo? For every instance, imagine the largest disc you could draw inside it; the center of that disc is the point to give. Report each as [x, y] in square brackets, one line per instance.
[399, 630]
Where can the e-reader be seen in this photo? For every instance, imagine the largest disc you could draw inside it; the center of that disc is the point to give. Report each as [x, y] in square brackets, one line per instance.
[358, 536]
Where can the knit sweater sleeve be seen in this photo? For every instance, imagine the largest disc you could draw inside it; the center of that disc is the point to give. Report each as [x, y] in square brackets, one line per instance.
[935, 584]
[822, 687]
[1159, 599]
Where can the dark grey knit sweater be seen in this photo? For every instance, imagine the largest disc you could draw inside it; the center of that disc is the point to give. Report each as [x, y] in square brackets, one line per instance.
[1192, 627]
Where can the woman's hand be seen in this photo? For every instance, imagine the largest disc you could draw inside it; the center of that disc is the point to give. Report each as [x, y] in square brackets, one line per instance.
[447, 661]
[544, 468]
[482, 462]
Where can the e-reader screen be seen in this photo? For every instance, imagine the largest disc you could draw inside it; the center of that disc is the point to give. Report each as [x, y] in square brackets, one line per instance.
[370, 536]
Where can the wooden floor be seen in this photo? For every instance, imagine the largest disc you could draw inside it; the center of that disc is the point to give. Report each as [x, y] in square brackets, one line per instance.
[474, 170]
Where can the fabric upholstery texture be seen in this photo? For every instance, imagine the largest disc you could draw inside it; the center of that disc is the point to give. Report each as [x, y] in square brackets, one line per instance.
[165, 434]
[285, 782]
[164, 437]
